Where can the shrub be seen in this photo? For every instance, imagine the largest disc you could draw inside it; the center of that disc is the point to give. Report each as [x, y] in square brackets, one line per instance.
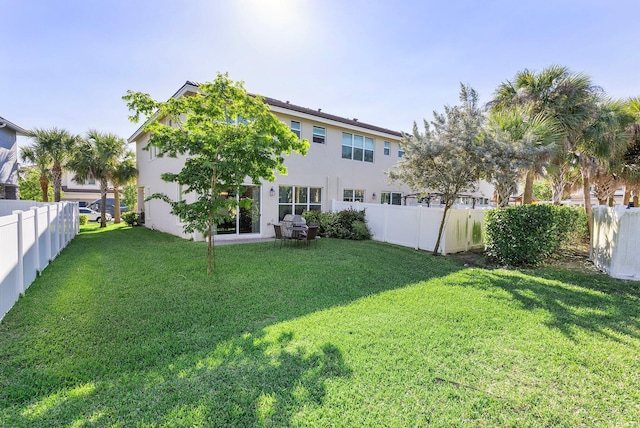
[131, 218]
[84, 219]
[528, 234]
[346, 224]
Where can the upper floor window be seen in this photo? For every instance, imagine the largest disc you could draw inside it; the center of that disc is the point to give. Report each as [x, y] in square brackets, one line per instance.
[91, 180]
[387, 148]
[319, 134]
[400, 151]
[357, 147]
[296, 127]
[353, 195]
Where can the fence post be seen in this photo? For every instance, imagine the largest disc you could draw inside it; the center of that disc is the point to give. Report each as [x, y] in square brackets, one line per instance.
[418, 227]
[20, 277]
[36, 220]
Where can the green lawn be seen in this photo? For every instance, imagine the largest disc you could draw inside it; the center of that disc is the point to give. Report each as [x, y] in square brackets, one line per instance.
[125, 329]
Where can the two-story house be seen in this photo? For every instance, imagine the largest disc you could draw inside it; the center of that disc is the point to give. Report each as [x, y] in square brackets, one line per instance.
[9, 158]
[346, 161]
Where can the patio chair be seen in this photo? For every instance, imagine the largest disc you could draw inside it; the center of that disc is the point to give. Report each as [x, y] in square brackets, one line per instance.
[310, 236]
[279, 237]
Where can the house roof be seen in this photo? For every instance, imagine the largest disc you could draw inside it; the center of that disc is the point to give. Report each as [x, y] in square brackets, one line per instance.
[191, 86]
[4, 122]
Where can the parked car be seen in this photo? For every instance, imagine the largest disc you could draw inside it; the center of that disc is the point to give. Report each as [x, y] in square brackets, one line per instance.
[95, 205]
[94, 215]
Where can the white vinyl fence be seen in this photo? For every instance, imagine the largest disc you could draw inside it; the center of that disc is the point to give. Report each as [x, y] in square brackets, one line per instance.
[31, 235]
[417, 226]
[615, 243]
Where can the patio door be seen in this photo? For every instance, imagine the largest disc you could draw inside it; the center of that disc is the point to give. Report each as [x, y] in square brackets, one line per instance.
[243, 221]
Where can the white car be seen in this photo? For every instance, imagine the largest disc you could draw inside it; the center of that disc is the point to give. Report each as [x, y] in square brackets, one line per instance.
[94, 215]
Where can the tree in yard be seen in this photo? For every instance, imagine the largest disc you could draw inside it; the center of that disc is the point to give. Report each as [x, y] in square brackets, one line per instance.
[226, 135]
[123, 173]
[446, 158]
[29, 185]
[39, 157]
[514, 142]
[561, 95]
[631, 160]
[97, 156]
[59, 145]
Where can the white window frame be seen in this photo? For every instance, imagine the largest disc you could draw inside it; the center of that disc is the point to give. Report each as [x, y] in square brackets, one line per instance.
[294, 203]
[320, 136]
[400, 151]
[387, 148]
[298, 130]
[356, 195]
[390, 196]
[352, 147]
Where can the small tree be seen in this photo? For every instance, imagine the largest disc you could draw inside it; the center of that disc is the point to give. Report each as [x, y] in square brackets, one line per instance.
[124, 171]
[448, 157]
[227, 136]
[130, 196]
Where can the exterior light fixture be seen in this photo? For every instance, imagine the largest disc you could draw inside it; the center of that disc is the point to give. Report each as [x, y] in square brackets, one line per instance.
[373, 196]
[272, 192]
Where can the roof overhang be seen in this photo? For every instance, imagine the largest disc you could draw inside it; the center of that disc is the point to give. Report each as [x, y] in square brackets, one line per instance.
[18, 130]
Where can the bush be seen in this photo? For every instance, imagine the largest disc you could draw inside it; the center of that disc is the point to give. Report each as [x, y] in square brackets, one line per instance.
[346, 224]
[131, 218]
[84, 219]
[526, 235]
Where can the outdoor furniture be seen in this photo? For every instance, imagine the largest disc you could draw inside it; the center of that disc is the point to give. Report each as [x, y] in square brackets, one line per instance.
[279, 237]
[309, 236]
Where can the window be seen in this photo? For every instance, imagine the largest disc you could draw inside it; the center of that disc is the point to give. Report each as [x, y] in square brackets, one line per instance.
[91, 180]
[357, 147]
[353, 195]
[297, 199]
[319, 134]
[154, 152]
[391, 198]
[400, 151]
[296, 127]
[387, 148]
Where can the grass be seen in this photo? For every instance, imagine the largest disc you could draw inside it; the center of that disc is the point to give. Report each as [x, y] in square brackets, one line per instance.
[125, 328]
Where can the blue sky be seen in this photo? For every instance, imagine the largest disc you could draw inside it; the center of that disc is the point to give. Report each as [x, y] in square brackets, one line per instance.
[388, 63]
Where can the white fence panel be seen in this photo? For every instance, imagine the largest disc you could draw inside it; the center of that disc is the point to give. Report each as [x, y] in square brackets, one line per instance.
[31, 234]
[615, 242]
[9, 263]
[417, 226]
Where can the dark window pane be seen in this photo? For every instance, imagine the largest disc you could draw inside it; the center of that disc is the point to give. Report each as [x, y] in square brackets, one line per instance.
[346, 152]
[357, 154]
[368, 155]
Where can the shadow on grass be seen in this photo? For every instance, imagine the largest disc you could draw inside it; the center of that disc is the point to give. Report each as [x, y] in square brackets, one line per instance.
[573, 300]
[246, 381]
[126, 324]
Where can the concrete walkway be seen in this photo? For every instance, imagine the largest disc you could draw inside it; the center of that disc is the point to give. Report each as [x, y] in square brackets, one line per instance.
[241, 241]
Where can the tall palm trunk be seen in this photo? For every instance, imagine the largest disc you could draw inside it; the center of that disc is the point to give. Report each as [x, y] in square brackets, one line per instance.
[103, 205]
[586, 188]
[56, 174]
[116, 203]
[44, 186]
[627, 195]
[527, 197]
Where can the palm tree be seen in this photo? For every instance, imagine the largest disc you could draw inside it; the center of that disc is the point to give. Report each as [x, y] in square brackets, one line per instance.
[631, 160]
[124, 172]
[59, 144]
[521, 142]
[555, 91]
[603, 141]
[36, 154]
[96, 157]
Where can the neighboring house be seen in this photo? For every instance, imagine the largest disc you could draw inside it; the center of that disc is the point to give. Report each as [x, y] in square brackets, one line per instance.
[9, 158]
[87, 192]
[346, 161]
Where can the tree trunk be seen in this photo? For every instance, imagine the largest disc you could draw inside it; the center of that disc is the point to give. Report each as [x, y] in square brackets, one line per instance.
[211, 256]
[116, 203]
[103, 205]
[44, 186]
[627, 195]
[527, 197]
[56, 173]
[558, 184]
[612, 201]
[586, 188]
[444, 219]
